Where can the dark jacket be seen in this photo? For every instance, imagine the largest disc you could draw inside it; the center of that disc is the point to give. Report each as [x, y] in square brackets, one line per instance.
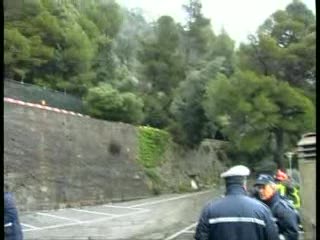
[285, 216]
[12, 227]
[236, 217]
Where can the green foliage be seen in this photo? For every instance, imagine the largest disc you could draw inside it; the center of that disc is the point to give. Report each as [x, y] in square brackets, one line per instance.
[187, 108]
[16, 52]
[223, 46]
[199, 32]
[153, 144]
[107, 18]
[284, 47]
[253, 110]
[105, 102]
[63, 44]
[162, 63]
[106, 15]
[127, 42]
[132, 107]
[156, 109]
[162, 70]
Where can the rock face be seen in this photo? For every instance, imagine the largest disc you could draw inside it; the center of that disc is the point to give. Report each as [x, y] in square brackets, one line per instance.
[54, 160]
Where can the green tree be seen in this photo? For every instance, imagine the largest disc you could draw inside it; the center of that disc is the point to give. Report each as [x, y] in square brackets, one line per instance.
[162, 63]
[284, 47]
[223, 46]
[187, 106]
[16, 53]
[162, 69]
[107, 103]
[70, 43]
[258, 113]
[156, 110]
[60, 52]
[198, 34]
[106, 15]
[126, 44]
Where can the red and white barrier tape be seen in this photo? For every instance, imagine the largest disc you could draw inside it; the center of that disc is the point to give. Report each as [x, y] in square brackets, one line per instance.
[11, 100]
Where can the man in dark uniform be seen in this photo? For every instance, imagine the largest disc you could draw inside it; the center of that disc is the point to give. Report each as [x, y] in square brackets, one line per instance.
[12, 227]
[236, 216]
[285, 215]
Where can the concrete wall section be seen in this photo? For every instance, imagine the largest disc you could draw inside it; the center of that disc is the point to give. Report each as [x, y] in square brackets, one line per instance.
[53, 160]
[308, 197]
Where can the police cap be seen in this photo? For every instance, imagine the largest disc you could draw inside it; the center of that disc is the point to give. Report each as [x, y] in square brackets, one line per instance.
[236, 171]
[264, 179]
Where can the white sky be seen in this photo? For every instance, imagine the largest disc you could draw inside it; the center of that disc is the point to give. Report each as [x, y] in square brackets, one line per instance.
[238, 17]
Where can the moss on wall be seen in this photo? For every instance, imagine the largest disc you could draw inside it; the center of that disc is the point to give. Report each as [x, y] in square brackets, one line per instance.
[153, 144]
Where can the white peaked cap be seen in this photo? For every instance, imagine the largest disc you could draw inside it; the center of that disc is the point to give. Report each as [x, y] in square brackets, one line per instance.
[238, 170]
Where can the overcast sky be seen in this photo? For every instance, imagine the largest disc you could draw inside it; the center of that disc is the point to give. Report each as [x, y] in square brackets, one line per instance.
[238, 17]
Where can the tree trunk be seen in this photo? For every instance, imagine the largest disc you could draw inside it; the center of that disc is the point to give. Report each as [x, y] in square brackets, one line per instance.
[278, 154]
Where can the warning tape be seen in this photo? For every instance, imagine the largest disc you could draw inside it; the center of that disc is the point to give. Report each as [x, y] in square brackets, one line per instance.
[28, 104]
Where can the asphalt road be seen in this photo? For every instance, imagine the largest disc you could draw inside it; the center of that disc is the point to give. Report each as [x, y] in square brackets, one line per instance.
[166, 217]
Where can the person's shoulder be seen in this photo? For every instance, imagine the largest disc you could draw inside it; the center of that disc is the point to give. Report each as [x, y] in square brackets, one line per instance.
[253, 200]
[215, 203]
[283, 210]
[209, 203]
[256, 203]
[284, 205]
[208, 207]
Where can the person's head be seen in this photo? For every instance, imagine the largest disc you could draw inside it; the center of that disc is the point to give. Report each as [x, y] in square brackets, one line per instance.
[236, 175]
[266, 185]
[281, 176]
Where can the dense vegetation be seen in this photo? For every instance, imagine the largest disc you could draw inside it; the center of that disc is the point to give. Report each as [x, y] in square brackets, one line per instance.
[186, 79]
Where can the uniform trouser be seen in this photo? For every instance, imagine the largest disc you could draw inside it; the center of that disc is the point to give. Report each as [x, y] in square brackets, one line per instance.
[12, 232]
[298, 218]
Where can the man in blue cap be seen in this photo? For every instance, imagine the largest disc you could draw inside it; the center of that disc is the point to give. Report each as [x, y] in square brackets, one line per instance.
[285, 215]
[236, 216]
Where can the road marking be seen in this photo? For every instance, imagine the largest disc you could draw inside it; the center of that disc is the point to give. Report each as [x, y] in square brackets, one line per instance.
[169, 199]
[139, 210]
[29, 226]
[93, 212]
[87, 222]
[189, 231]
[58, 226]
[123, 207]
[54, 216]
[180, 232]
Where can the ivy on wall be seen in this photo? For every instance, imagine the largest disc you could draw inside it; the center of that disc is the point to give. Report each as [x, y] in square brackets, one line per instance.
[153, 144]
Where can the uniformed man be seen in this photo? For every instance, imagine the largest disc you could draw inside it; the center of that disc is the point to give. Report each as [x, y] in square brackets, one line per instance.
[236, 216]
[285, 215]
[12, 227]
